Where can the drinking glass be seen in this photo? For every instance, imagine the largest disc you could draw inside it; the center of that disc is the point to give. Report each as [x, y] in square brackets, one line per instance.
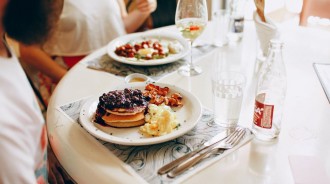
[227, 90]
[191, 18]
[220, 19]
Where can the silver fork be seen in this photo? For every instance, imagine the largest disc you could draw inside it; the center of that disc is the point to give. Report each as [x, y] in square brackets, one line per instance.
[228, 143]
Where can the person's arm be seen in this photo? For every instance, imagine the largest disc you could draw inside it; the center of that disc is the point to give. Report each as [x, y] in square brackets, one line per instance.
[37, 58]
[133, 20]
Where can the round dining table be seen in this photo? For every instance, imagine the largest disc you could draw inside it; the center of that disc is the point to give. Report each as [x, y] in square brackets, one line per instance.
[301, 148]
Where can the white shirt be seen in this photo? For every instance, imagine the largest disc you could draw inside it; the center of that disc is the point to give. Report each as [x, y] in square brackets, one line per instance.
[85, 26]
[23, 137]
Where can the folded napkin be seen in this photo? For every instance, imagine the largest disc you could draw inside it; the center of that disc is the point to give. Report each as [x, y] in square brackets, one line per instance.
[265, 32]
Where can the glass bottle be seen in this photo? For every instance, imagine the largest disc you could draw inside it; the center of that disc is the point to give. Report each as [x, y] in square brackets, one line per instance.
[270, 94]
[236, 24]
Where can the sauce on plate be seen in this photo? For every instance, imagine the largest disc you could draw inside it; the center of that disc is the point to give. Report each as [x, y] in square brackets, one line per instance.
[137, 79]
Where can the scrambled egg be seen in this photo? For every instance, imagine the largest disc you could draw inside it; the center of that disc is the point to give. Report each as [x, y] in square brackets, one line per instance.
[160, 120]
[147, 52]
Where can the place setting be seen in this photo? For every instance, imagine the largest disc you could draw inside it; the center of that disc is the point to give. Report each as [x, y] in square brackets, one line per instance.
[147, 155]
[177, 138]
[157, 53]
[155, 68]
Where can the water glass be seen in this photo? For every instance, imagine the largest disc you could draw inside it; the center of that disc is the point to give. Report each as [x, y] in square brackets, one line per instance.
[227, 92]
[220, 19]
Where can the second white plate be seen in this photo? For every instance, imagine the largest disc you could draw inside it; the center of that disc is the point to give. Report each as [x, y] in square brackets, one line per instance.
[146, 36]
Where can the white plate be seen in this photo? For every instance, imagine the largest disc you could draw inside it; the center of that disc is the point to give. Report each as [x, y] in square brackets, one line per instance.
[145, 36]
[188, 117]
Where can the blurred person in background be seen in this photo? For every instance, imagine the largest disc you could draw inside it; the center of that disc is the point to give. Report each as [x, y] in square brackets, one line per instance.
[84, 27]
[164, 14]
[23, 136]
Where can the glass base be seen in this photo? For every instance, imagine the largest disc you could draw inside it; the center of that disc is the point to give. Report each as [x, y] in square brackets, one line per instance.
[229, 125]
[220, 44]
[189, 71]
[264, 136]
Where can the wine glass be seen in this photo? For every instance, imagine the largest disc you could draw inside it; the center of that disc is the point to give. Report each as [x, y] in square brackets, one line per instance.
[191, 18]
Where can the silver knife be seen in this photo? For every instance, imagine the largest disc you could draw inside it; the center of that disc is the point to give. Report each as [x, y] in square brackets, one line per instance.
[214, 140]
[233, 139]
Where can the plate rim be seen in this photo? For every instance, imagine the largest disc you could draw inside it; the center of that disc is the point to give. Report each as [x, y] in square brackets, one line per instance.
[92, 129]
[167, 60]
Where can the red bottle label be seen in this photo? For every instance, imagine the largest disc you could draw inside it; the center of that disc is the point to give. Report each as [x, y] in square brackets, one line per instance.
[263, 115]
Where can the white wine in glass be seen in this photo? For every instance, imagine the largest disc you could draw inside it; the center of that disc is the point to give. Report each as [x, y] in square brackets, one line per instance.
[191, 18]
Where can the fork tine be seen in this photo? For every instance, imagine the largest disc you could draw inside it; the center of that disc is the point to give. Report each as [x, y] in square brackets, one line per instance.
[238, 137]
[233, 135]
[230, 142]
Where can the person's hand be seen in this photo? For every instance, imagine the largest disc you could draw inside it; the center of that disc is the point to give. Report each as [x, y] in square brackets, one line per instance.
[146, 6]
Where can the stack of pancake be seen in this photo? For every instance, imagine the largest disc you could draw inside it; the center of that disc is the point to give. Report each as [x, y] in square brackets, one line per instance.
[122, 108]
[121, 117]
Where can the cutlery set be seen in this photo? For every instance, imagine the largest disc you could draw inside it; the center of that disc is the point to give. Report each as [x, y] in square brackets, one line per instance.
[223, 141]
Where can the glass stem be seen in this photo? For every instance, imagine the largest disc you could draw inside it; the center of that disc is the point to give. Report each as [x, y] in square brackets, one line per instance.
[191, 65]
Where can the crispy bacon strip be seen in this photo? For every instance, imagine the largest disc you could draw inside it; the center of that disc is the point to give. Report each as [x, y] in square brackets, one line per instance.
[158, 95]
